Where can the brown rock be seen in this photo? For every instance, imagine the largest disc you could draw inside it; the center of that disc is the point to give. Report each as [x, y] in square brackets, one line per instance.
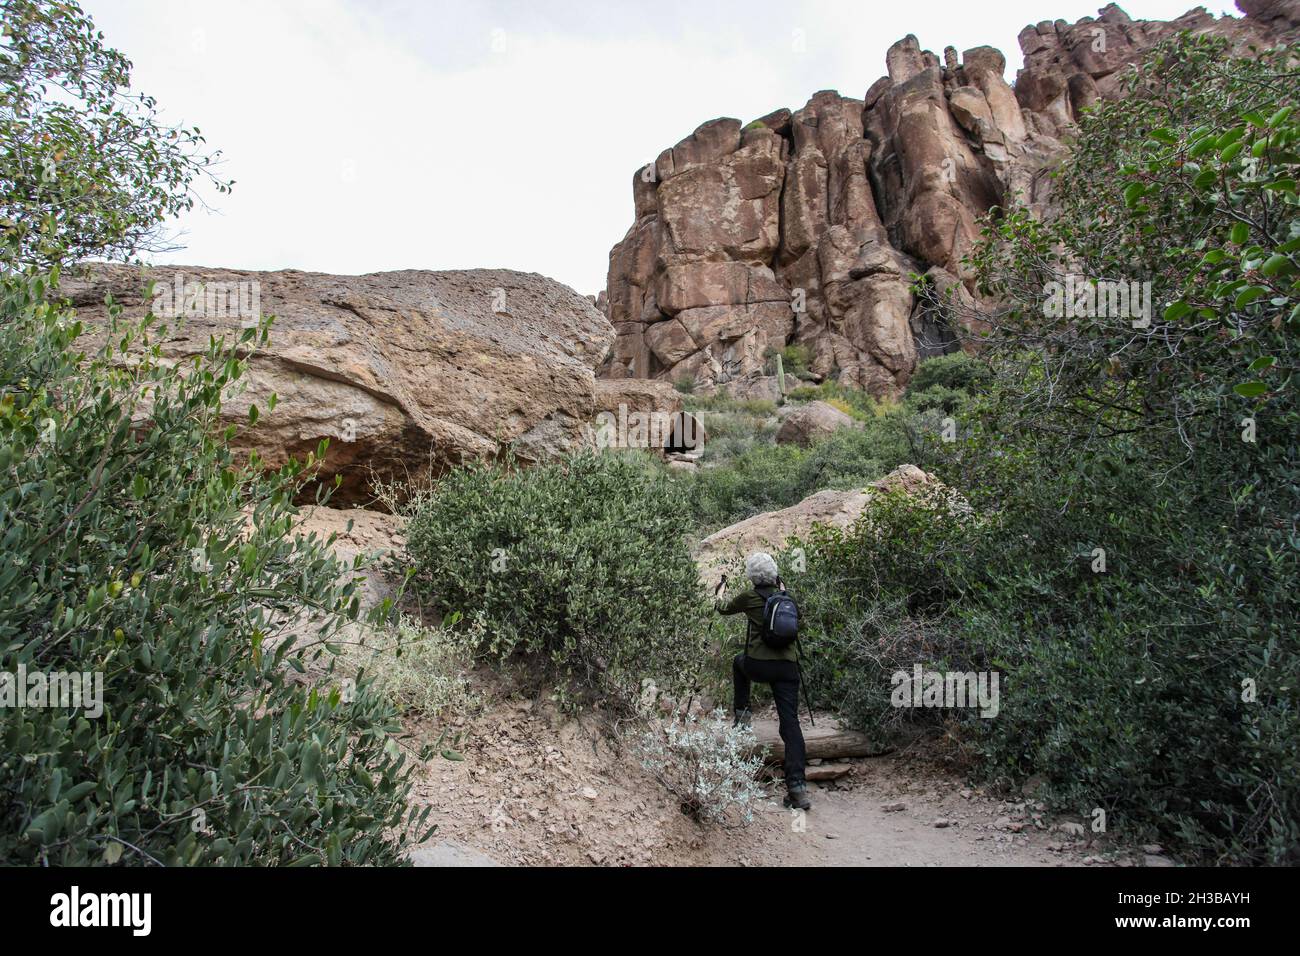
[637, 394]
[832, 206]
[814, 420]
[827, 772]
[406, 373]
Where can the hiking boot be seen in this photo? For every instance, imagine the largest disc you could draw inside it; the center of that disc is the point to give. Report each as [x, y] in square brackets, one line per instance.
[796, 796]
[744, 718]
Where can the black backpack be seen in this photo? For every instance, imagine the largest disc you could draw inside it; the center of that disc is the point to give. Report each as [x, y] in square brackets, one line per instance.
[780, 620]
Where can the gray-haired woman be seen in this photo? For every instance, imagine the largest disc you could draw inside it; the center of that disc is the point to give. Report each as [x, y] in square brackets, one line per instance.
[777, 668]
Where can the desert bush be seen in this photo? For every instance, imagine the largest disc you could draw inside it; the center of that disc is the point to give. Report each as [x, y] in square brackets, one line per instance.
[137, 548]
[766, 477]
[851, 401]
[732, 426]
[580, 563]
[722, 402]
[423, 670]
[708, 765]
[877, 597]
[957, 371]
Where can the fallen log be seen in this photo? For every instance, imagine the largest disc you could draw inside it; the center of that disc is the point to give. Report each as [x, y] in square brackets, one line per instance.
[827, 740]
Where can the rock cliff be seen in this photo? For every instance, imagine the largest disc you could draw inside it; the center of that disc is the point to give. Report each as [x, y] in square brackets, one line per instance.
[805, 227]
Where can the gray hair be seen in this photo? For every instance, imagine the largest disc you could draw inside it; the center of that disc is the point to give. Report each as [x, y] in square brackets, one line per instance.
[760, 568]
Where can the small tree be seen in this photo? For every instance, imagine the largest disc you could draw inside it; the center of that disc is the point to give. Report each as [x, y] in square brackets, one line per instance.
[139, 562]
[87, 169]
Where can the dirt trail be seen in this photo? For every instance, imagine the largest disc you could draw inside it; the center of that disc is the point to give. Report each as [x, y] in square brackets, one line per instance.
[538, 789]
[534, 789]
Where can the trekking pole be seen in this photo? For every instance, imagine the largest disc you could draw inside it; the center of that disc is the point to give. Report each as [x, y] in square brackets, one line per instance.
[803, 683]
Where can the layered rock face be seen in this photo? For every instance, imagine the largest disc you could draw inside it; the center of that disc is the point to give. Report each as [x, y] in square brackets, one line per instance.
[406, 373]
[804, 227]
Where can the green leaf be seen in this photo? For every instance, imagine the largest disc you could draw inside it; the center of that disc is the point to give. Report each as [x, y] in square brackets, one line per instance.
[1276, 265]
[1250, 389]
[1248, 295]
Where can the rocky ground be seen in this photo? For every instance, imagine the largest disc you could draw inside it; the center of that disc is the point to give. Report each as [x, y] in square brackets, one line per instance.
[536, 789]
[521, 784]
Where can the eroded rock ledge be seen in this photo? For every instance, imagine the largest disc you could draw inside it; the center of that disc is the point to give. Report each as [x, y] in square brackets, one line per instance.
[406, 373]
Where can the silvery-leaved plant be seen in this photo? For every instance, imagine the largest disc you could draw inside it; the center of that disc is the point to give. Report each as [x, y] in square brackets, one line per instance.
[708, 764]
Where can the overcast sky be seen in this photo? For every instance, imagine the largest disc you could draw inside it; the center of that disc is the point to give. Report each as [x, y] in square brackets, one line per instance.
[367, 135]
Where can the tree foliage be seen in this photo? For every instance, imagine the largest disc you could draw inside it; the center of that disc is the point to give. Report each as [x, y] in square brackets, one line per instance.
[1135, 572]
[87, 167]
[136, 551]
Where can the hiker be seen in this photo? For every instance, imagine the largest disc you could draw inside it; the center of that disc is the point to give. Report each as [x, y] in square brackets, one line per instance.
[771, 660]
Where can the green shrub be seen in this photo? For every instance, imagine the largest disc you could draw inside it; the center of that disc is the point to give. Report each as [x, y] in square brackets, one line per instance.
[137, 551]
[938, 398]
[851, 400]
[874, 599]
[766, 477]
[580, 562]
[795, 360]
[424, 671]
[957, 371]
[732, 426]
[722, 402]
[137, 548]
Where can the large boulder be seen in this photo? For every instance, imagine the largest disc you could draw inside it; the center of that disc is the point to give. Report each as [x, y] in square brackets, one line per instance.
[809, 422]
[638, 395]
[772, 530]
[406, 373]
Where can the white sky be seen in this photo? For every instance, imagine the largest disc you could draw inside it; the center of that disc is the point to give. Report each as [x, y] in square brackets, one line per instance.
[367, 135]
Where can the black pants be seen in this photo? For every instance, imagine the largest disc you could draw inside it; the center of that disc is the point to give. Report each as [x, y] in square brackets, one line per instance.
[783, 676]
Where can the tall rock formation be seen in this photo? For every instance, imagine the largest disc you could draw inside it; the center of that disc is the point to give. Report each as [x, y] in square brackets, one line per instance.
[805, 227]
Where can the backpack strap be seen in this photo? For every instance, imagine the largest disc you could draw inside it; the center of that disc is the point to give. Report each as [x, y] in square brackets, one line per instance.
[749, 625]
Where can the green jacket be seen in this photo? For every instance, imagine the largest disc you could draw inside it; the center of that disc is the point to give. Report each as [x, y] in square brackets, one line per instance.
[751, 604]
